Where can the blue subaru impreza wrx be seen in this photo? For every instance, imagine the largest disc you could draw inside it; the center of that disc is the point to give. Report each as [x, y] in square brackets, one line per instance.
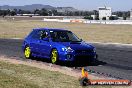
[57, 45]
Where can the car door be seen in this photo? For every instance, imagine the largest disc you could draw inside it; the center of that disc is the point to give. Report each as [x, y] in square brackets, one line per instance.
[40, 46]
[44, 44]
[34, 42]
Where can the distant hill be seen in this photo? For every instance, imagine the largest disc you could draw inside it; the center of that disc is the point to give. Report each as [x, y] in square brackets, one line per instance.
[37, 6]
[27, 7]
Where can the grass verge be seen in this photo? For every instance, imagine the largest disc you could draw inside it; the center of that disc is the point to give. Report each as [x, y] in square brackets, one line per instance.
[88, 32]
[23, 76]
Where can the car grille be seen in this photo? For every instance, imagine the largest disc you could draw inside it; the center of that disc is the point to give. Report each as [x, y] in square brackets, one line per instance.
[83, 51]
[83, 58]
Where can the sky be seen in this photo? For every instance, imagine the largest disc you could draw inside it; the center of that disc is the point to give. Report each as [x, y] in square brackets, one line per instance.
[117, 5]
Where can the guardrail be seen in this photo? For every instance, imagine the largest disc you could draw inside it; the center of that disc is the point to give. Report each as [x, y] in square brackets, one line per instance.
[109, 21]
[91, 21]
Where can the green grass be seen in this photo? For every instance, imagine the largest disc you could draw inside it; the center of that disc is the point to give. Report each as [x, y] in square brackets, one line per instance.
[22, 76]
[88, 32]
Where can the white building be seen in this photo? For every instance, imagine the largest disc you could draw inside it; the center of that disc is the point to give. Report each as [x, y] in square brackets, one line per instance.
[131, 14]
[105, 12]
[93, 16]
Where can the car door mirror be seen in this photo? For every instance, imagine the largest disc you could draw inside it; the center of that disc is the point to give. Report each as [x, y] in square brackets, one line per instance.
[81, 40]
[45, 39]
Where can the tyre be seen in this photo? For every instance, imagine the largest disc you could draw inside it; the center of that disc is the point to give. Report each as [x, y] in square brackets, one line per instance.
[54, 56]
[27, 52]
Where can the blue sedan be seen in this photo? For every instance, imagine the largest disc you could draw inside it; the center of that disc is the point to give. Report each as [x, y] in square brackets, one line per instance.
[57, 45]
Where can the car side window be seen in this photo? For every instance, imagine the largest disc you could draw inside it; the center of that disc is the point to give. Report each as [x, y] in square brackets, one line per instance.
[36, 35]
[44, 34]
[40, 34]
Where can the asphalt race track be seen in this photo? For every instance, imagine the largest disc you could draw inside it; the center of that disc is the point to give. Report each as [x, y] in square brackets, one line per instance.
[115, 61]
[118, 61]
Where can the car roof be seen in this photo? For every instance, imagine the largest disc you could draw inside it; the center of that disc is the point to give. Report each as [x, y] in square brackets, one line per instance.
[50, 29]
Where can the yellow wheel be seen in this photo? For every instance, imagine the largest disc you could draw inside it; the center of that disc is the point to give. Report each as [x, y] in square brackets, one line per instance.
[54, 56]
[27, 52]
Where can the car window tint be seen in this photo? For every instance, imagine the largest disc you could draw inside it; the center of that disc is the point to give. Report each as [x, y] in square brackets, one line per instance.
[72, 37]
[36, 35]
[64, 36]
[44, 34]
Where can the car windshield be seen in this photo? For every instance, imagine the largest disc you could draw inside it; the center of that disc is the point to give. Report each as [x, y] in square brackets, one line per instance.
[64, 36]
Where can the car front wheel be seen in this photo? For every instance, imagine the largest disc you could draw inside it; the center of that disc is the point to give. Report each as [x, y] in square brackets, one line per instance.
[27, 52]
[54, 56]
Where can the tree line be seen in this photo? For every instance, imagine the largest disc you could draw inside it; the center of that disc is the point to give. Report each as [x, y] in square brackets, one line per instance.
[54, 12]
[45, 12]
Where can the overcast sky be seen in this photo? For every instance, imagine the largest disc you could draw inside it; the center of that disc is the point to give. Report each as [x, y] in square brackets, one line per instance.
[79, 4]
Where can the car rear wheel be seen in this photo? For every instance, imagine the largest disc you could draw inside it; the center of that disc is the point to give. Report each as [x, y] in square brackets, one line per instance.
[27, 52]
[54, 56]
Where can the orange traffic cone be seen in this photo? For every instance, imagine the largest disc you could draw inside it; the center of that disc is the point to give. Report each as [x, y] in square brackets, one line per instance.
[84, 81]
[84, 73]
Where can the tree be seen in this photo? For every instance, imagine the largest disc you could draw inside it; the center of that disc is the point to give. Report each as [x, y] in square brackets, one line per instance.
[88, 17]
[96, 17]
[43, 12]
[12, 13]
[19, 11]
[5, 12]
[104, 18]
[113, 18]
[76, 13]
[8, 12]
[54, 12]
[122, 13]
[124, 18]
[36, 11]
[95, 12]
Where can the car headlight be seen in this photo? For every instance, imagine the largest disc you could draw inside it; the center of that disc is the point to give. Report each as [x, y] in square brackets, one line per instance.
[94, 50]
[67, 49]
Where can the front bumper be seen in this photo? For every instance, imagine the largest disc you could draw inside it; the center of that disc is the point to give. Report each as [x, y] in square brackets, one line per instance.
[78, 56]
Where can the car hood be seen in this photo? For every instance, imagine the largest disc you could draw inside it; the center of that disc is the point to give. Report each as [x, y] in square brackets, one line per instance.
[77, 45]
